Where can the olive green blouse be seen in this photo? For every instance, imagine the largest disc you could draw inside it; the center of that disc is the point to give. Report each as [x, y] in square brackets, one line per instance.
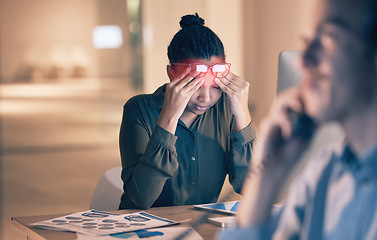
[162, 169]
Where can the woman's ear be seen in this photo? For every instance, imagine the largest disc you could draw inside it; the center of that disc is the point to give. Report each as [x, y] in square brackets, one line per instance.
[169, 72]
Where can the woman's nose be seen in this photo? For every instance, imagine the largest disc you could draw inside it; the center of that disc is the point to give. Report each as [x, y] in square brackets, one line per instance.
[204, 93]
[208, 78]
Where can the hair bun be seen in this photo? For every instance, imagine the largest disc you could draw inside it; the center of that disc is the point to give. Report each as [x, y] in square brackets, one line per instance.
[191, 20]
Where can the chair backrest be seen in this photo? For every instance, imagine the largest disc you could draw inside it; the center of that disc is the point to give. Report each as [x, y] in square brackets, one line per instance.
[108, 191]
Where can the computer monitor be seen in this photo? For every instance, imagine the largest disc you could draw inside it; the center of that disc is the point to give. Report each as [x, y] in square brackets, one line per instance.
[288, 72]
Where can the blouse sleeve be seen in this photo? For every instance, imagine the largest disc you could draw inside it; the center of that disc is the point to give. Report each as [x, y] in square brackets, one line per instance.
[148, 159]
[241, 144]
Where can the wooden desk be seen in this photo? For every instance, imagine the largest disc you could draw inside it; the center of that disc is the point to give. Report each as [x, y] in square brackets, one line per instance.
[177, 213]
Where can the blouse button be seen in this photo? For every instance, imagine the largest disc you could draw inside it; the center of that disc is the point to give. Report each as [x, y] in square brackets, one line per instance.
[193, 158]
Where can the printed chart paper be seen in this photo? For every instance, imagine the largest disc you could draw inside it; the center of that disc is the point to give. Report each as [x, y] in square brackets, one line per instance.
[96, 223]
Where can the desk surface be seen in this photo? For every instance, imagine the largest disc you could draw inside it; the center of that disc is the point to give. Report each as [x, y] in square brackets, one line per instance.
[176, 213]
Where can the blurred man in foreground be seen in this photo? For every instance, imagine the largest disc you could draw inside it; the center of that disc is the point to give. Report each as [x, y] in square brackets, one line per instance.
[336, 196]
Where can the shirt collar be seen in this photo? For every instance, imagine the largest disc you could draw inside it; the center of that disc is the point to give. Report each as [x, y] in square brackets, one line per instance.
[366, 161]
[370, 158]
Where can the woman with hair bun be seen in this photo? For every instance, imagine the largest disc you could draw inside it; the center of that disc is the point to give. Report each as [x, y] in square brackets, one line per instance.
[178, 144]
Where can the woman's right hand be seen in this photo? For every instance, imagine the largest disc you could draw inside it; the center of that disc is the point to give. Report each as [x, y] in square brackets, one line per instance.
[177, 95]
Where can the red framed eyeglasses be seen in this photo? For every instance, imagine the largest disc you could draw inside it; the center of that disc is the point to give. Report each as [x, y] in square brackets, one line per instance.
[219, 70]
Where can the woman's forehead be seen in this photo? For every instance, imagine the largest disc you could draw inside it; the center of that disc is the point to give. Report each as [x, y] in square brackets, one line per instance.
[213, 60]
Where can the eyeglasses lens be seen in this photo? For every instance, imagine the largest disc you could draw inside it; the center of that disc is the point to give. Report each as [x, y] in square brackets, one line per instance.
[199, 69]
[218, 70]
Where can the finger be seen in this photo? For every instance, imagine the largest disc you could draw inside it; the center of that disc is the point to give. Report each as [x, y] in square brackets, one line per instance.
[236, 80]
[226, 85]
[188, 79]
[221, 85]
[290, 99]
[193, 83]
[289, 109]
[286, 124]
[180, 77]
[183, 82]
[195, 87]
[233, 84]
[280, 119]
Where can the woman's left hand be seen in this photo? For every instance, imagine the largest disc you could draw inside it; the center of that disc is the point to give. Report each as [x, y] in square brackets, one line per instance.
[238, 91]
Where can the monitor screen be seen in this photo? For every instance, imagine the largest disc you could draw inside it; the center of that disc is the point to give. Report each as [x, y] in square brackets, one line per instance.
[288, 72]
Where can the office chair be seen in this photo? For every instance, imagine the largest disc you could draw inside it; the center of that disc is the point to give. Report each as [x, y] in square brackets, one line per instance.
[108, 191]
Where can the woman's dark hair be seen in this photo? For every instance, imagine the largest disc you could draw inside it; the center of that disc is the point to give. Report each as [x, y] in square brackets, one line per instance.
[194, 40]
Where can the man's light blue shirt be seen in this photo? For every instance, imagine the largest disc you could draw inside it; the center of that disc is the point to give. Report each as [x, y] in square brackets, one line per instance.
[334, 198]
